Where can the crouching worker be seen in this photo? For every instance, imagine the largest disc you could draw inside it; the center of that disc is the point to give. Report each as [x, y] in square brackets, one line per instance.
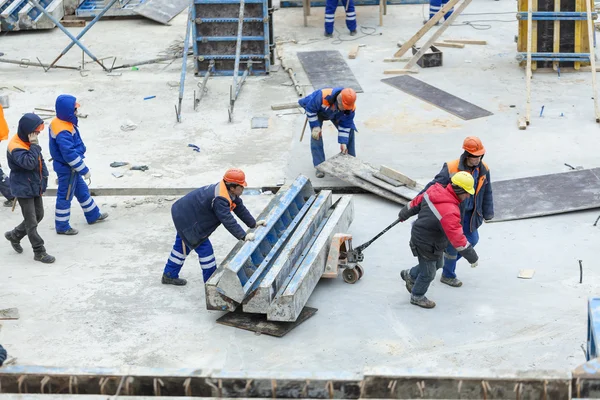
[28, 181]
[437, 225]
[198, 214]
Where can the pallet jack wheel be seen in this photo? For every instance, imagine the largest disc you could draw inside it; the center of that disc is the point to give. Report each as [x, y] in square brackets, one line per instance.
[361, 272]
[351, 275]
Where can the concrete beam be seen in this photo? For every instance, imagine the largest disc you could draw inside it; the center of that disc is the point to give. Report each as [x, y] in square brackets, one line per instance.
[260, 299]
[290, 300]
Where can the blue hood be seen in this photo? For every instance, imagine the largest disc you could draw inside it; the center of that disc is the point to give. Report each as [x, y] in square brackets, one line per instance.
[27, 125]
[65, 108]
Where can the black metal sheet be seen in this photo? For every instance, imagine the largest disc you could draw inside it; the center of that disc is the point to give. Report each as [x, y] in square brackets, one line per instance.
[258, 322]
[328, 69]
[538, 196]
[444, 100]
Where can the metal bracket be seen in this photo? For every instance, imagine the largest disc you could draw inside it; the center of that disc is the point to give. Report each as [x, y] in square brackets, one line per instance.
[209, 71]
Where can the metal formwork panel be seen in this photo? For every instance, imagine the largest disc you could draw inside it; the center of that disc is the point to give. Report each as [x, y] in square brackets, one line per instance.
[259, 300]
[293, 295]
[90, 8]
[215, 36]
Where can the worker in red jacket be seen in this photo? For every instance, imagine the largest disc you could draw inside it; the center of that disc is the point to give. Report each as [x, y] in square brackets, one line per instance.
[438, 225]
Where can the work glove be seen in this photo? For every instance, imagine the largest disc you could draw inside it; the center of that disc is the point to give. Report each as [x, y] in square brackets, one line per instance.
[33, 138]
[316, 132]
[88, 176]
[343, 148]
[475, 264]
[249, 237]
[261, 222]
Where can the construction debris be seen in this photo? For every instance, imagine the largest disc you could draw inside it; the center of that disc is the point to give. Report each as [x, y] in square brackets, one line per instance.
[466, 41]
[9, 313]
[284, 106]
[526, 273]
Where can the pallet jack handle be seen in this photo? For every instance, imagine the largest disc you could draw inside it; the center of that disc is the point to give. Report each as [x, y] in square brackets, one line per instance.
[363, 246]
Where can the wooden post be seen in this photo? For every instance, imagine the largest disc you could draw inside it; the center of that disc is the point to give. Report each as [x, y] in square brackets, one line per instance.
[590, 24]
[555, 64]
[380, 11]
[528, 71]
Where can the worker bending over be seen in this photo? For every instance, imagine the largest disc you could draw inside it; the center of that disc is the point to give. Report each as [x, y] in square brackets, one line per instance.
[476, 208]
[437, 225]
[338, 106]
[68, 152]
[198, 214]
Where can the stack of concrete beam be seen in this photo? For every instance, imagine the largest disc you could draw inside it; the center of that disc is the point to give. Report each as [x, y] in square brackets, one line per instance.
[277, 272]
[16, 15]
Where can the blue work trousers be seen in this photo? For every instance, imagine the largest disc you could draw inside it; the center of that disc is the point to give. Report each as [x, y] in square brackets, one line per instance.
[330, 8]
[423, 274]
[206, 255]
[78, 189]
[318, 152]
[451, 256]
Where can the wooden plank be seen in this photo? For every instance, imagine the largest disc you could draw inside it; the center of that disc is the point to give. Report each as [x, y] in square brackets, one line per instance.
[466, 41]
[556, 43]
[399, 190]
[425, 28]
[9, 313]
[452, 45]
[588, 9]
[284, 106]
[354, 52]
[526, 273]
[395, 59]
[447, 23]
[528, 66]
[400, 71]
[400, 177]
[73, 23]
[387, 179]
[522, 123]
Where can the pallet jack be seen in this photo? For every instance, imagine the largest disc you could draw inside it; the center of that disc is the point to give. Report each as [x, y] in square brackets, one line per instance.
[343, 257]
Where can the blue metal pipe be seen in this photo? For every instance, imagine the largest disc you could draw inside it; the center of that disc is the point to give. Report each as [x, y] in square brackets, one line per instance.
[84, 31]
[186, 48]
[66, 32]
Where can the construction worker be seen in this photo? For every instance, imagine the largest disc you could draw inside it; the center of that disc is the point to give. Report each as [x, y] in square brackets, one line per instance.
[330, 8]
[4, 179]
[475, 209]
[68, 153]
[29, 179]
[437, 5]
[198, 214]
[331, 104]
[437, 225]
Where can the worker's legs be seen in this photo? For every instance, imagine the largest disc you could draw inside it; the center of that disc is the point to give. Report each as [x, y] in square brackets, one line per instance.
[449, 13]
[423, 274]
[82, 192]
[350, 14]
[5, 186]
[176, 259]
[207, 259]
[330, 7]
[33, 212]
[434, 7]
[62, 213]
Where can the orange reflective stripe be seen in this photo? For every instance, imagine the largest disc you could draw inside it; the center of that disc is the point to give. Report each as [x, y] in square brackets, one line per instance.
[58, 125]
[325, 93]
[3, 125]
[223, 192]
[17, 143]
[453, 166]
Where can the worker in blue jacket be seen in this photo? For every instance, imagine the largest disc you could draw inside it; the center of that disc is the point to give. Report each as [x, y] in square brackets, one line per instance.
[68, 153]
[3, 355]
[28, 181]
[198, 214]
[337, 105]
[330, 7]
[475, 209]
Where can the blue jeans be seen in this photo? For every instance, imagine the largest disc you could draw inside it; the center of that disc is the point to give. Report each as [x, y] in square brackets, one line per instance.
[206, 256]
[318, 153]
[451, 256]
[423, 274]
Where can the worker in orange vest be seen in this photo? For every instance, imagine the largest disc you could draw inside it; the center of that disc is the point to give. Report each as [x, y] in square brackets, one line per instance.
[474, 210]
[4, 179]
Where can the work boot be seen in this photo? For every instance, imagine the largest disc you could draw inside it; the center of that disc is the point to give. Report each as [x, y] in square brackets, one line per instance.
[101, 218]
[454, 282]
[352, 33]
[44, 257]
[405, 275]
[16, 244]
[8, 203]
[167, 280]
[320, 174]
[422, 301]
[69, 232]
[328, 35]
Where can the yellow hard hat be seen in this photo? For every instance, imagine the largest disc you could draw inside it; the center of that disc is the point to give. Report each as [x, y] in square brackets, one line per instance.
[465, 181]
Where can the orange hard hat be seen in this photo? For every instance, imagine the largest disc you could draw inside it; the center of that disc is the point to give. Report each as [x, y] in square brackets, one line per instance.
[473, 145]
[348, 99]
[236, 176]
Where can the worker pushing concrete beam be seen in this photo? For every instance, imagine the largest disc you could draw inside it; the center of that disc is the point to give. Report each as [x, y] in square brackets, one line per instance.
[291, 299]
[260, 299]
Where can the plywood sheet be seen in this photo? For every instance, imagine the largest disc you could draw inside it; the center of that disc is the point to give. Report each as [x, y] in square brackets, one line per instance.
[328, 69]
